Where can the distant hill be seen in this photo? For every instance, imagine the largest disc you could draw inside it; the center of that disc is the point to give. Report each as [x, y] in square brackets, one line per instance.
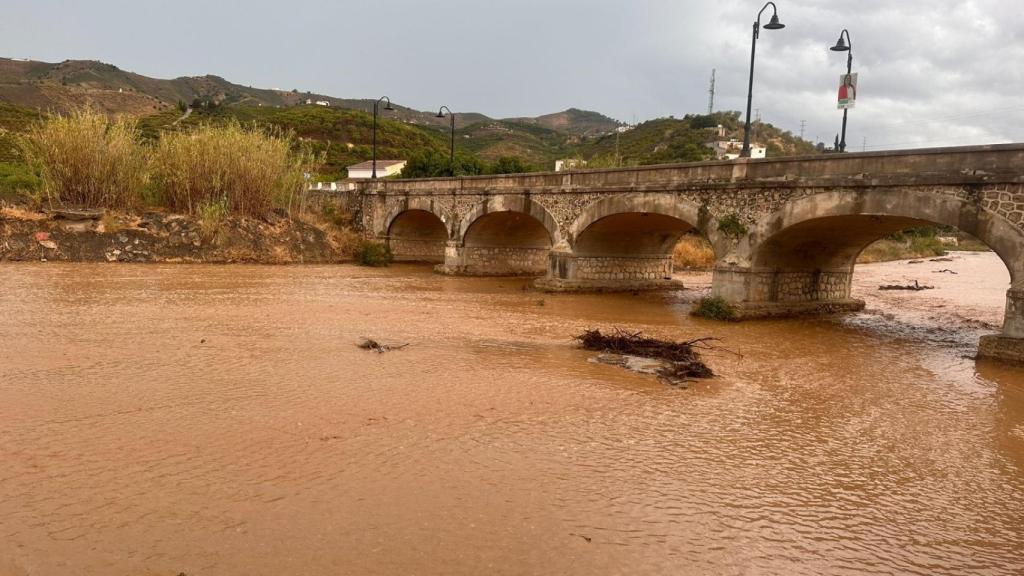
[71, 83]
[574, 121]
[342, 132]
[343, 136]
[537, 145]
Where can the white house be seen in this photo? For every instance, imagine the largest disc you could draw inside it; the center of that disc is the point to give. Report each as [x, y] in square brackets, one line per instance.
[730, 149]
[322, 103]
[385, 168]
[569, 164]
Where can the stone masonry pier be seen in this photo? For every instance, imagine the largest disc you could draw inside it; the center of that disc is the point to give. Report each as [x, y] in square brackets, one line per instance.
[786, 232]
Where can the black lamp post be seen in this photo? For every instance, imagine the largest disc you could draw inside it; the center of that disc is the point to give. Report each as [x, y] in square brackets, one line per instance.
[375, 112]
[451, 156]
[773, 24]
[844, 46]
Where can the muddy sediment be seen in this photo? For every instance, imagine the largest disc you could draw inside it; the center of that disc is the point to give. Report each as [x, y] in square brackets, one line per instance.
[162, 237]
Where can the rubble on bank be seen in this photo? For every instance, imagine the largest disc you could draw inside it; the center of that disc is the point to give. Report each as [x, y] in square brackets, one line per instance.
[97, 236]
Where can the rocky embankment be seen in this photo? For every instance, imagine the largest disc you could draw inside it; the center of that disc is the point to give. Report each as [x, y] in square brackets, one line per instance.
[93, 236]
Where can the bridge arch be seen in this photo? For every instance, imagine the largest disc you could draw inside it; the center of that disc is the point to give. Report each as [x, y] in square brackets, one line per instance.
[623, 242]
[417, 231]
[663, 204]
[413, 203]
[802, 257]
[831, 229]
[507, 235]
[521, 204]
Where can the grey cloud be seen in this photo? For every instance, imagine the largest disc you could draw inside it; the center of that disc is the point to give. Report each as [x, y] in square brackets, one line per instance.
[931, 73]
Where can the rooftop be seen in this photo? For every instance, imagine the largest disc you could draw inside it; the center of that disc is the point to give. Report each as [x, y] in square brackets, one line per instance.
[380, 164]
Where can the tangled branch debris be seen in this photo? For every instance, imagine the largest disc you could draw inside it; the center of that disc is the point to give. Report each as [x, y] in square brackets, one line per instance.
[371, 344]
[682, 361]
[915, 287]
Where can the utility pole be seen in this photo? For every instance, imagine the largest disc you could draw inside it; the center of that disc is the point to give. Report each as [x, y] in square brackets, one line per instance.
[803, 124]
[618, 159]
[864, 147]
[711, 94]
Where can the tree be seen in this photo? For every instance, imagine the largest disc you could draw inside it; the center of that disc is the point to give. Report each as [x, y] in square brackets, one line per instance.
[435, 164]
[509, 165]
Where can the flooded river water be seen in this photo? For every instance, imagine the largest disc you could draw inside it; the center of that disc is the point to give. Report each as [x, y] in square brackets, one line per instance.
[219, 420]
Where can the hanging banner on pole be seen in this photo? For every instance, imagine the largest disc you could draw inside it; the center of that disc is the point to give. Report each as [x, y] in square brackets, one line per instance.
[847, 91]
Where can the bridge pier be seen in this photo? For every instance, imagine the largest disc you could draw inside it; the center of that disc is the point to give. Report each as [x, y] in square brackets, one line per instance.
[1008, 346]
[462, 260]
[778, 293]
[568, 272]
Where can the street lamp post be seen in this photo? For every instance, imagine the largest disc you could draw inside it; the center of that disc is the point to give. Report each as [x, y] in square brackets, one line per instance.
[451, 155]
[376, 105]
[772, 24]
[844, 46]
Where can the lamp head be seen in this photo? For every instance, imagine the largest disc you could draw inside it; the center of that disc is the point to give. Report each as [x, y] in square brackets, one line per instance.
[840, 45]
[774, 23]
[388, 107]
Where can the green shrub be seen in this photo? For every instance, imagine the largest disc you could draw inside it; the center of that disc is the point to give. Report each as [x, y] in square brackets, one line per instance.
[927, 246]
[17, 182]
[714, 308]
[211, 218]
[374, 254]
[732, 226]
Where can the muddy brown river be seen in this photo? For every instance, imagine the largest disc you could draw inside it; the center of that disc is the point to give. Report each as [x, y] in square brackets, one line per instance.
[220, 420]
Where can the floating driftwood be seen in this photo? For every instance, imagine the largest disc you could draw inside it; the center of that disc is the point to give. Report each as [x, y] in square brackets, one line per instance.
[681, 361]
[945, 271]
[943, 259]
[371, 344]
[915, 287]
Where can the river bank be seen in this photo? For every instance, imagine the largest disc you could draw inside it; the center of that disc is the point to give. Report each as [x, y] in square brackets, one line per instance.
[154, 236]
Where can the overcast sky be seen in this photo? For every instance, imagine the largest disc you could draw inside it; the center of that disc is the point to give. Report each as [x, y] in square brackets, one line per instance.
[931, 72]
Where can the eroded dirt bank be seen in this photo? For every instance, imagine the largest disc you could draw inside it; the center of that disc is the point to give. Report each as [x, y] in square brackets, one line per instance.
[161, 237]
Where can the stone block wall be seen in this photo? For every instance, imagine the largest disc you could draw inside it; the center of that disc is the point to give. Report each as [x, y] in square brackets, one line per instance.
[814, 286]
[409, 250]
[610, 270]
[498, 261]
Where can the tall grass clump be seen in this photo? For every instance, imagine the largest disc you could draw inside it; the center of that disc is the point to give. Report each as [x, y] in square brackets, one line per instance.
[250, 170]
[88, 159]
[693, 253]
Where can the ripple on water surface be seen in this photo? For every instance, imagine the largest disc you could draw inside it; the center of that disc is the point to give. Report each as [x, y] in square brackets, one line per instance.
[201, 419]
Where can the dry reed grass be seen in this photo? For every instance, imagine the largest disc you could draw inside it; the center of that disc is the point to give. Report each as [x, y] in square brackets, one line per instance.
[693, 253]
[248, 169]
[87, 159]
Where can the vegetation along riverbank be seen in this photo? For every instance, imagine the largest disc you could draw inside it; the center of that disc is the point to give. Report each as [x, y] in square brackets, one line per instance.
[214, 193]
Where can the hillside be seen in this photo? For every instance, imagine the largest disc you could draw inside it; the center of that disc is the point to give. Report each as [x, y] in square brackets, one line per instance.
[64, 85]
[343, 136]
[671, 140]
[575, 122]
[536, 145]
[342, 132]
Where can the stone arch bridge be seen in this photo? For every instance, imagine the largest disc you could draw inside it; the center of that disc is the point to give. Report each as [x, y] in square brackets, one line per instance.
[786, 232]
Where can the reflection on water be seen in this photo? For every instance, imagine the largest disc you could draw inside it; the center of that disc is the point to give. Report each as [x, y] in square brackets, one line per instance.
[221, 420]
